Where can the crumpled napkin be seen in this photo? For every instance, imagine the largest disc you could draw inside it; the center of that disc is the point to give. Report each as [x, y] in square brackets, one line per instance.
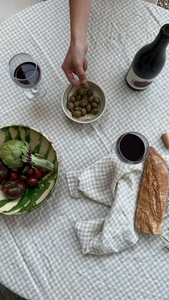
[115, 184]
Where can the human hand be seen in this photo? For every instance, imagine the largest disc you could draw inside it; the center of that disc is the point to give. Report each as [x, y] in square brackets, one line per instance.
[76, 63]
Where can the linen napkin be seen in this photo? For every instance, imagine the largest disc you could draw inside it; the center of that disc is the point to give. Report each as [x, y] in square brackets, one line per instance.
[116, 185]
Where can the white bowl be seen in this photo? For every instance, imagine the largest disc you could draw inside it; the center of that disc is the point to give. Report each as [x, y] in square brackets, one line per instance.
[89, 118]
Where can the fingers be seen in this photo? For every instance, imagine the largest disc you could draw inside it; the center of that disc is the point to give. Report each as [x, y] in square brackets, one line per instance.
[79, 70]
[72, 80]
[85, 65]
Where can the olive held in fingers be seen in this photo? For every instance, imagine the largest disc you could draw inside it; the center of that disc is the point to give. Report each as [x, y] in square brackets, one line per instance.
[84, 85]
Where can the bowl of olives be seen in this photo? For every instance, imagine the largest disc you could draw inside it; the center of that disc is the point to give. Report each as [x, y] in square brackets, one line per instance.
[84, 105]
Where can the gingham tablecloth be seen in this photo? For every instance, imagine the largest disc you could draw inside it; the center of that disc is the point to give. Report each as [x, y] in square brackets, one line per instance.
[40, 255]
[112, 183]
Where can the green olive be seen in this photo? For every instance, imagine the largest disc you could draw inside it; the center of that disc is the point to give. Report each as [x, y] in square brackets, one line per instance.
[88, 107]
[77, 108]
[90, 99]
[70, 105]
[95, 111]
[80, 92]
[84, 85]
[77, 114]
[83, 111]
[72, 99]
[94, 104]
[89, 93]
[78, 97]
[74, 94]
[97, 100]
[76, 103]
[83, 104]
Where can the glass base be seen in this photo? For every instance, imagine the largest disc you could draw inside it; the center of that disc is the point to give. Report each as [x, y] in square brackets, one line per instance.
[37, 93]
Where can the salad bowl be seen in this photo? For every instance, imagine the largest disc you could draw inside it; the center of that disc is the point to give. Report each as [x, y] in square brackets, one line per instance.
[32, 198]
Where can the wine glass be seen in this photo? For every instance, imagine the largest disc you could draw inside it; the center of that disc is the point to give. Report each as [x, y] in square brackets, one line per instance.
[26, 73]
[132, 147]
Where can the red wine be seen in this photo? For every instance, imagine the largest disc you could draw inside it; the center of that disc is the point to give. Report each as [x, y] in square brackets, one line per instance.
[27, 74]
[148, 61]
[132, 147]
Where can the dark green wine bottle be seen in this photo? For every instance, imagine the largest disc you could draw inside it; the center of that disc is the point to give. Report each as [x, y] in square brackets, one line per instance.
[148, 61]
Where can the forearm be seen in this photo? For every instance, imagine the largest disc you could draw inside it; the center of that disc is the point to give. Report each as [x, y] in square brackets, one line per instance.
[79, 19]
[75, 62]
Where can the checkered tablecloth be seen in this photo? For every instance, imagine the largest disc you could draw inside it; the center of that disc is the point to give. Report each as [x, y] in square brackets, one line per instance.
[40, 255]
[112, 183]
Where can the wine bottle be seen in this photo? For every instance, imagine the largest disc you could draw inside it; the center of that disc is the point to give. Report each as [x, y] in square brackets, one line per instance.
[148, 61]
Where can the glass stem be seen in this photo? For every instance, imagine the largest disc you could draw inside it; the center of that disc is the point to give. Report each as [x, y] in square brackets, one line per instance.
[35, 89]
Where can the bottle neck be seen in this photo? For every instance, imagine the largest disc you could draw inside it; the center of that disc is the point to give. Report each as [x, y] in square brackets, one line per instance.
[162, 40]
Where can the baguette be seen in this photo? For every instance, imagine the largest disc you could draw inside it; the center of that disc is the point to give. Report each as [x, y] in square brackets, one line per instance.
[152, 194]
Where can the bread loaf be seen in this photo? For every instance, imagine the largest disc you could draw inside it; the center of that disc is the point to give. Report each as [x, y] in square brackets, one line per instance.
[152, 194]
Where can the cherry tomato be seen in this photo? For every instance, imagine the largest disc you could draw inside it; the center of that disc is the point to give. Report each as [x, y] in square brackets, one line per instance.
[39, 173]
[32, 181]
[14, 175]
[30, 172]
[4, 172]
[22, 177]
[13, 189]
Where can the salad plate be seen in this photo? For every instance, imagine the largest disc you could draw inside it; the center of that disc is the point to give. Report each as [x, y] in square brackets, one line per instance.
[32, 198]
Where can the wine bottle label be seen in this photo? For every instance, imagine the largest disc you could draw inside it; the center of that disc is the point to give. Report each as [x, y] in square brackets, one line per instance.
[137, 82]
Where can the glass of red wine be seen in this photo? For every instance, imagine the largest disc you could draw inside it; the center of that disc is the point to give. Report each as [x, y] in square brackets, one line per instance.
[132, 147]
[26, 73]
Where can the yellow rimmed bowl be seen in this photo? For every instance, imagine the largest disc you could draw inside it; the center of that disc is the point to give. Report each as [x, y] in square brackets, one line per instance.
[32, 198]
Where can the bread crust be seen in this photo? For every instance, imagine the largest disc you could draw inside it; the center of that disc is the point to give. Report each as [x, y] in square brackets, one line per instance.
[152, 194]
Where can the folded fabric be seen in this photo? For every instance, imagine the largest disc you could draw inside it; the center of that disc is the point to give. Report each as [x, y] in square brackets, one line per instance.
[114, 184]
